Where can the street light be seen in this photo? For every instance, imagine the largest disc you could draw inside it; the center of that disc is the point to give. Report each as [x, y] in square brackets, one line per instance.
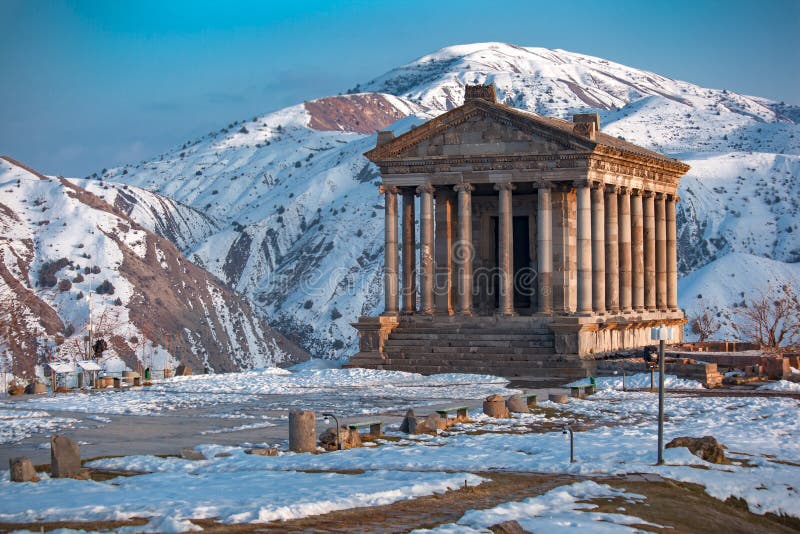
[326, 418]
[661, 334]
[564, 431]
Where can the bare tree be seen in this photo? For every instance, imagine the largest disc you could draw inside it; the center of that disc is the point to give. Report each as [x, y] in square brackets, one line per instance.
[704, 326]
[772, 319]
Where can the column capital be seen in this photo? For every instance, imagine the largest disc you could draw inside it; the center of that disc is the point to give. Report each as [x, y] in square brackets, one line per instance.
[623, 190]
[661, 196]
[504, 186]
[391, 189]
[563, 187]
[597, 185]
[636, 192]
[544, 185]
[464, 187]
[612, 189]
[674, 198]
[648, 194]
[426, 188]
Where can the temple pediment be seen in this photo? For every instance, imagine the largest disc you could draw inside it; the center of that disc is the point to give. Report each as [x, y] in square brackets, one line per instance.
[481, 129]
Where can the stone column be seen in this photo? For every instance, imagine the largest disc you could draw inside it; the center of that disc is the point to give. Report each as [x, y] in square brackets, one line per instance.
[426, 247]
[612, 250]
[584, 249]
[464, 249]
[390, 278]
[443, 251]
[637, 249]
[672, 254]
[598, 249]
[544, 253]
[625, 270]
[649, 251]
[409, 253]
[661, 252]
[505, 250]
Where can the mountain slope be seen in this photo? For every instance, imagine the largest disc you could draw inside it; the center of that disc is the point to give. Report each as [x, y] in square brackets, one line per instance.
[301, 227]
[58, 242]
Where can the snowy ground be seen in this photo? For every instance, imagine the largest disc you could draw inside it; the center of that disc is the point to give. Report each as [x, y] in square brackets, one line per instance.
[615, 433]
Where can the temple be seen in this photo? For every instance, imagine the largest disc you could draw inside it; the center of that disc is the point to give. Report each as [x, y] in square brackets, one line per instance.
[543, 243]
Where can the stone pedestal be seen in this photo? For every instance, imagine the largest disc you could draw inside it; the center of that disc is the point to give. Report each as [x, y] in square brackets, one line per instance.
[302, 431]
[495, 406]
[22, 470]
[65, 457]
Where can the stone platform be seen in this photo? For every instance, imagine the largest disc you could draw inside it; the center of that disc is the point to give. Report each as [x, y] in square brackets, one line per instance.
[516, 346]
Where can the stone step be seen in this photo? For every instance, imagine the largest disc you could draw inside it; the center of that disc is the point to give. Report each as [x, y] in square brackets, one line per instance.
[461, 363]
[477, 336]
[565, 373]
[465, 345]
[474, 330]
[486, 354]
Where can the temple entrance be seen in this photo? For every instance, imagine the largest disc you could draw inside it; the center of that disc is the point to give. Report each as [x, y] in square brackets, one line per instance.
[523, 276]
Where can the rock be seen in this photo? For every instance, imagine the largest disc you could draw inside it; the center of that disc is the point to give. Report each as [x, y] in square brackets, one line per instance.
[409, 420]
[65, 457]
[435, 422]
[228, 455]
[183, 369]
[707, 448]
[508, 527]
[558, 398]
[590, 390]
[416, 425]
[22, 470]
[16, 389]
[302, 431]
[270, 451]
[190, 454]
[495, 406]
[517, 404]
[350, 440]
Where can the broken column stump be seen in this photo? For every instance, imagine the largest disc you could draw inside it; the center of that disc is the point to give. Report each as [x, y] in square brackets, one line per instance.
[65, 457]
[558, 398]
[517, 404]
[22, 470]
[495, 406]
[302, 431]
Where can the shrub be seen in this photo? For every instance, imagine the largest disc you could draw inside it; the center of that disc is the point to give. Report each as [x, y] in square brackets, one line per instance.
[118, 302]
[335, 314]
[308, 304]
[106, 288]
[79, 296]
[78, 279]
[95, 270]
[47, 273]
[64, 285]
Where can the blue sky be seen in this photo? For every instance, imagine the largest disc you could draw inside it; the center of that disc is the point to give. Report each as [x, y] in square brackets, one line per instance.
[92, 84]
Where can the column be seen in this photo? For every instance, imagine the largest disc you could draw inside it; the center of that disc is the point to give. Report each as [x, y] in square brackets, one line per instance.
[624, 230]
[544, 254]
[443, 251]
[426, 247]
[612, 250]
[505, 233]
[584, 249]
[409, 253]
[649, 251]
[598, 249]
[661, 252]
[637, 249]
[390, 279]
[672, 254]
[464, 249]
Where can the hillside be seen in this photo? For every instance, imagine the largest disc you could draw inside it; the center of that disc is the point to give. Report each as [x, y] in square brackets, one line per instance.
[58, 242]
[300, 220]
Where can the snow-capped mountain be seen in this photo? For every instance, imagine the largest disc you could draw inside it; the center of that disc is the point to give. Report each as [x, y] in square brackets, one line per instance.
[64, 250]
[300, 226]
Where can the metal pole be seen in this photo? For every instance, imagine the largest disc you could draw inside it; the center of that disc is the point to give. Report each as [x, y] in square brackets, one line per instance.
[566, 429]
[338, 435]
[660, 402]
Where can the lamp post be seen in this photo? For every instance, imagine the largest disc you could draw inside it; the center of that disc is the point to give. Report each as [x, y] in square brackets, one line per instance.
[565, 430]
[661, 334]
[338, 435]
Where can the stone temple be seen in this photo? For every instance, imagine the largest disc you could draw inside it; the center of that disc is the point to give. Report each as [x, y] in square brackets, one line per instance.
[543, 244]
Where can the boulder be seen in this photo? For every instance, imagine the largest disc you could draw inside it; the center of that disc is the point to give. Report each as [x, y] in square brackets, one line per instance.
[508, 527]
[405, 426]
[558, 398]
[228, 455]
[22, 470]
[16, 389]
[495, 406]
[707, 448]
[189, 453]
[435, 422]
[65, 457]
[349, 440]
[517, 404]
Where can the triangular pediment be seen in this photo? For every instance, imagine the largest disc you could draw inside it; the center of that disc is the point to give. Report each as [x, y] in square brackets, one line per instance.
[480, 128]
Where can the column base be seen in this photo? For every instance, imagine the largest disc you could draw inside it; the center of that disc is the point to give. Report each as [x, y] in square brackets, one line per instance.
[390, 314]
[465, 313]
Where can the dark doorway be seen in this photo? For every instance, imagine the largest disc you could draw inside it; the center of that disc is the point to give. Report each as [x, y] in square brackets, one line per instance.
[523, 279]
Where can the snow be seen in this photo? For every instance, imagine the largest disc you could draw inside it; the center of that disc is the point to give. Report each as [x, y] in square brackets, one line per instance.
[638, 381]
[781, 385]
[247, 496]
[16, 424]
[559, 510]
